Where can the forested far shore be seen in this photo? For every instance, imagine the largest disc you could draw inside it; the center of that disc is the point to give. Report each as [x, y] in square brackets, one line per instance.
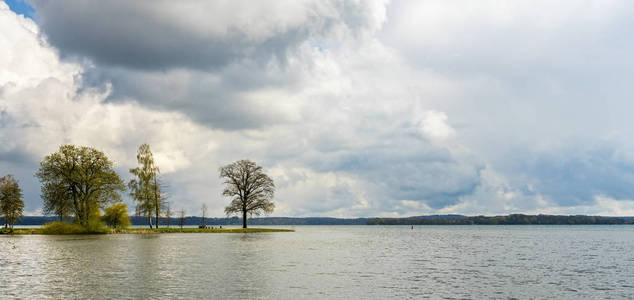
[514, 219]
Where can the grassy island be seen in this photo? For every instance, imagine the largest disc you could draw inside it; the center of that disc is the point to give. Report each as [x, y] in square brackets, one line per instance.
[43, 230]
[198, 230]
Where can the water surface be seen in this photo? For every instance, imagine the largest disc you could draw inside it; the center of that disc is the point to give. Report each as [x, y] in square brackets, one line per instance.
[333, 262]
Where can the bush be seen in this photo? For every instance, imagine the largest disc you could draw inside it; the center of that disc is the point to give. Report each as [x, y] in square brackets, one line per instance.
[116, 216]
[94, 226]
[62, 228]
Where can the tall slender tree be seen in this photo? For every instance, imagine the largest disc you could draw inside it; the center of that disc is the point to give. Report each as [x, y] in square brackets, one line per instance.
[80, 180]
[251, 190]
[181, 217]
[11, 204]
[159, 197]
[168, 214]
[203, 208]
[144, 187]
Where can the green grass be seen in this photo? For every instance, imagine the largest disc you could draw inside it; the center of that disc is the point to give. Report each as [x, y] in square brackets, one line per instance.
[94, 227]
[61, 228]
[22, 231]
[199, 230]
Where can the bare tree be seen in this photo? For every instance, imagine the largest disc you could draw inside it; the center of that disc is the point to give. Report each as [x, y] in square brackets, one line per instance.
[168, 214]
[159, 197]
[182, 218]
[251, 190]
[204, 211]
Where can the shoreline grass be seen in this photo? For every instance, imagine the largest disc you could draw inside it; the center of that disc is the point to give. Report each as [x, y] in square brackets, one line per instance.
[42, 231]
[198, 230]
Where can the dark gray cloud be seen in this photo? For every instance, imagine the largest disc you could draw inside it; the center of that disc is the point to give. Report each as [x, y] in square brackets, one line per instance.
[204, 59]
[221, 101]
[161, 35]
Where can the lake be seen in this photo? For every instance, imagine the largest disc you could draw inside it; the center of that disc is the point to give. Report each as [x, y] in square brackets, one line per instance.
[334, 262]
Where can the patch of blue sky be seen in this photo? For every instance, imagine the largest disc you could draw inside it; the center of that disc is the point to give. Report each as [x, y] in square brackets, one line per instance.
[21, 7]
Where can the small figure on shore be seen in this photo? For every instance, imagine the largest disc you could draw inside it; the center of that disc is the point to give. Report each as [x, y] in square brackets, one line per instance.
[412, 227]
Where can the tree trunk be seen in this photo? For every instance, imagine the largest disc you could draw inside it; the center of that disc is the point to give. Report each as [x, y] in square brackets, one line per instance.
[244, 218]
[149, 220]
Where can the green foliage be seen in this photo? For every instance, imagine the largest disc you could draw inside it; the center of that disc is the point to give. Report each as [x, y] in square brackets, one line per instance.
[251, 190]
[94, 226]
[116, 216]
[78, 180]
[11, 204]
[59, 227]
[145, 187]
[62, 228]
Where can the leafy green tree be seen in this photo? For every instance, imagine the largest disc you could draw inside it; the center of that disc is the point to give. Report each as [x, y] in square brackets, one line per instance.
[57, 200]
[78, 180]
[251, 190]
[116, 216]
[145, 187]
[11, 204]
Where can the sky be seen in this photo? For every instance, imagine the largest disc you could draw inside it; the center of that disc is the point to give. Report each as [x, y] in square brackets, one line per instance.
[355, 108]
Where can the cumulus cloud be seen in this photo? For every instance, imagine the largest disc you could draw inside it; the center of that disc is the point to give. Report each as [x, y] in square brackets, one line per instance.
[434, 125]
[166, 34]
[355, 108]
[43, 107]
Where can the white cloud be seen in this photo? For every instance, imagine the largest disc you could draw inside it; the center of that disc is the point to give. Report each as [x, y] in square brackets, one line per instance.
[355, 108]
[434, 125]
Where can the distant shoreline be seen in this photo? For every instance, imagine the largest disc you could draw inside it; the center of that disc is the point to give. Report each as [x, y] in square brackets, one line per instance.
[453, 219]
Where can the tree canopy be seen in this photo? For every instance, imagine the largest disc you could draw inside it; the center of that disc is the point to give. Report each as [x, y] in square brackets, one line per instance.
[11, 204]
[78, 180]
[145, 186]
[251, 190]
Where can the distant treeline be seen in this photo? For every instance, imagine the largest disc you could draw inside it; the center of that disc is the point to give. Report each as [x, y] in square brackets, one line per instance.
[515, 219]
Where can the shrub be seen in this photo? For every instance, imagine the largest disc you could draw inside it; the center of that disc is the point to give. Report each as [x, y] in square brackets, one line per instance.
[116, 216]
[62, 228]
[94, 226]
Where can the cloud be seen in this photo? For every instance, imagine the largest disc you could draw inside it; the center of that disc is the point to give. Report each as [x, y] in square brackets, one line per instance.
[156, 35]
[355, 108]
[227, 65]
[434, 125]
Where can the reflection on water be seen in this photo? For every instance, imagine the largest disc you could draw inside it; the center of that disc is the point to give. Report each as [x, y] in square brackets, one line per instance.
[327, 262]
